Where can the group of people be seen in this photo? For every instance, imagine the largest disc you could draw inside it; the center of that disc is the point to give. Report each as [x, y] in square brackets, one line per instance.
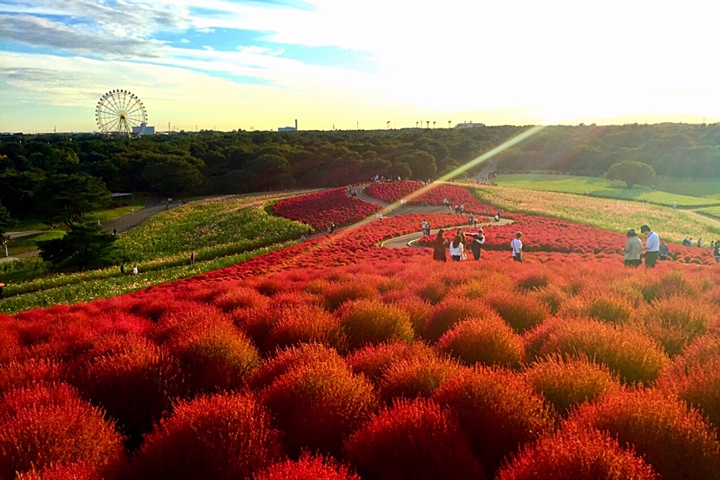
[688, 242]
[457, 248]
[654, 248]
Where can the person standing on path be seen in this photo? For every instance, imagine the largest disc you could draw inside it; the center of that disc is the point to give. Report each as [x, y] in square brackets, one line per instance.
[192, 258]
[516, 245]
[439, 247]
[652, 246]
[478, 239]
[633, 249]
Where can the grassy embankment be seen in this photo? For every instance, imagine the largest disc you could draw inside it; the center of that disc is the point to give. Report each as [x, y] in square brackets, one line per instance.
[222, 232]
[616, 215]
[684, 193]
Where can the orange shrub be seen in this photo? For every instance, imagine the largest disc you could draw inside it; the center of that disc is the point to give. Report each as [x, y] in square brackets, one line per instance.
[373, 360]
[241, 297]
[418, 309]
[369, 322]
[699, 387]
[672, 438]
[339, 293]
[224, 437]
[312, 354]
[670, 283]
[416, 377]
[307, 468]
[412, 440]
[626, 351]
[521, 310]
[70, 471]
[451, 311]
[213, 358]
[498, 412]
[587, 454]
[604, 306]
[674, 322]
[552, 296]
[316, 406]
[568, 382]
[489, 341]
[701, 351]
[304, 324]
[49, 424]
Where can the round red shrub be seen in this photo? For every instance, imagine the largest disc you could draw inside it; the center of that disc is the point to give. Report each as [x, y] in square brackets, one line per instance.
[134, 386]
[552, 296]
[674, 322]
[489, 341]
[312, 354]
[418, 309]
[626, 351]
[587, 454]
[522, 311]
[49, 424]
[304, 324]
[9, 344]
[449, 312]
[307, 468]
[70, 471]
[567, 382]
[412, 440]
[370, 322]
[339, 293]
[604, 306]
[241, 297]
[498, 412]
[188, 316]
[699, 352]
[373, 360]
[317, 406]
[416, 377]
[674, 439]
[213, 358]
[224, 436]
[670, 283]
[21, 374]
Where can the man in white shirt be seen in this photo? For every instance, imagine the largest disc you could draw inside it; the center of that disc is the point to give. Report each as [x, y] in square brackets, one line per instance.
[516, 246]
[652, 246]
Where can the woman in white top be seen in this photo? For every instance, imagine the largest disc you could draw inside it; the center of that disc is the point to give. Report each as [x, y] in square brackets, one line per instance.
[456, 248]
[516, 246]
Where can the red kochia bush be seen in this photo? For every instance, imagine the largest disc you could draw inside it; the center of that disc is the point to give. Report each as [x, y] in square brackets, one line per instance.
[412, 440]
[213, 358]
[338, 293]
[48, 424]
[367, 321]
[418, 309]
[306, 468]
[321, 208]
[520, 310]
[674, 322]
[497, 410]
[373, 360]
[71, 471]
[567, 382]
[134, 386]
[303, 324]
[674, 439]
[312, 354]
[224, 436]
[489, 341]
[587, 454]
[316, 406]
[416, 377]
[21, 374]
[451, 311]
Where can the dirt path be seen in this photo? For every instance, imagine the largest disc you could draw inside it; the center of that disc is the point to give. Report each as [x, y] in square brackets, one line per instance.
[713, 222]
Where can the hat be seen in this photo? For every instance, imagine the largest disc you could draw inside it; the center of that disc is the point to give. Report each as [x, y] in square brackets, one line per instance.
[644, 228]
[631, 233]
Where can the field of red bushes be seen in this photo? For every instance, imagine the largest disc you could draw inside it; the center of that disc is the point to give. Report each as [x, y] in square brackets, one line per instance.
[393, 192]
[320, 209]
[340, 359]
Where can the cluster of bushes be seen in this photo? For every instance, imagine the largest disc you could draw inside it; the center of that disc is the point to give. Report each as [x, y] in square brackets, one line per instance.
[385, 367]
[321, 209]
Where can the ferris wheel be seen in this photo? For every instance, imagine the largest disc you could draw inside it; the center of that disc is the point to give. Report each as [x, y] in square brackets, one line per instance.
[118, 111]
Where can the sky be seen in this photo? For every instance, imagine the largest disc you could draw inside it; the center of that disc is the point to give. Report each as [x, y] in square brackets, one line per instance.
[259, 65]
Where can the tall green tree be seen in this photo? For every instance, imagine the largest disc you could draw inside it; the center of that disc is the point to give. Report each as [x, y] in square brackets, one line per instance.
[421, 163]
[173, 175]
[631, 172]
[6, 221]
[268, 172]
[85, 245]
[66, 199]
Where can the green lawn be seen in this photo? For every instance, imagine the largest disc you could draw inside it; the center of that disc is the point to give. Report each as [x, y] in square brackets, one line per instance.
[600, 187]
[26, 244]
[698, 188]
[114, 213]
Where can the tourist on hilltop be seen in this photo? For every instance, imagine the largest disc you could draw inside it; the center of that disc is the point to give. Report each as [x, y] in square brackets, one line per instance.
[652, 246]
[686, 241]
[478, 239]
[663, 251]
[439, 247]
[633, 249]
[516, 246]
[712, 244]
[457, 248]
[134, 270]
[496, 218]
[699, 242]
[716, 252]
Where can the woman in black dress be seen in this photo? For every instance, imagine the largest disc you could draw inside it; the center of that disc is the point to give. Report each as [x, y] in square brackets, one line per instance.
[439, 247]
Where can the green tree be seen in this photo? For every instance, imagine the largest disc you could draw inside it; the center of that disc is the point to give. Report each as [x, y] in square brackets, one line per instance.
[268, 172]
[631, 172]
[85, 245]
[66, 199]
[421, 163]
[6, 221]
[172, 175]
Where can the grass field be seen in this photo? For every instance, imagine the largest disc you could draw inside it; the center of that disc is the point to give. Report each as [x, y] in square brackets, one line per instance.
[671, 224]
[600, 187]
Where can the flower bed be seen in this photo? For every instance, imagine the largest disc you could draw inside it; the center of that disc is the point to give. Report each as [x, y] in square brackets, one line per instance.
[320, 209]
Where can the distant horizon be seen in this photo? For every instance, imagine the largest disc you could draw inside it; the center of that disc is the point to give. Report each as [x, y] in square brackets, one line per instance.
[257, 65]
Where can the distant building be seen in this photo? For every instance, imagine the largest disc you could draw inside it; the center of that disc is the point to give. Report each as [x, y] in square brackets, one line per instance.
[140, 130]
[469, 125]
[289, 129]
